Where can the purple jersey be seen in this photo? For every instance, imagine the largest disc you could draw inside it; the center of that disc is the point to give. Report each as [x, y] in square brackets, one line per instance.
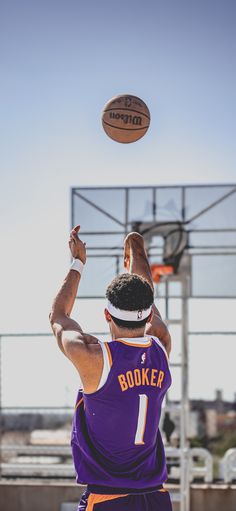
[116, 440]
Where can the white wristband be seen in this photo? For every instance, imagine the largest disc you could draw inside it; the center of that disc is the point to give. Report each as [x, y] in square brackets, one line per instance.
[77, 265]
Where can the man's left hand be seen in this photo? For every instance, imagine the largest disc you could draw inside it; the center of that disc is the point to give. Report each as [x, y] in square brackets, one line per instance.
[77, 246]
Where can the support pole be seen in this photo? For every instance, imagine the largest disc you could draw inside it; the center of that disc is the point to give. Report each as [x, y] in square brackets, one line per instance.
[184, 413]
[1, 418]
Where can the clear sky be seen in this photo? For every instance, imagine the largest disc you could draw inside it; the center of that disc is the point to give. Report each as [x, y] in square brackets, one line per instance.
[60, 63]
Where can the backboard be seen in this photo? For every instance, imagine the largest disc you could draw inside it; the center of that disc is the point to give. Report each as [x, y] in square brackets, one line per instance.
[202, 218]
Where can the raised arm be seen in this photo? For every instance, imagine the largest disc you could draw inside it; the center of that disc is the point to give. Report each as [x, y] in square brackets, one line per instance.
[82, 349]
[136, 261]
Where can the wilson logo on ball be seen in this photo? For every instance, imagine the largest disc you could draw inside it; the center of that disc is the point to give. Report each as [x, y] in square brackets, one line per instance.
[125, 118]
[135, 120]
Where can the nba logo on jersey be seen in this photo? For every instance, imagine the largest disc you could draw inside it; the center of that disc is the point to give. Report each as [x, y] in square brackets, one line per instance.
[143, 358]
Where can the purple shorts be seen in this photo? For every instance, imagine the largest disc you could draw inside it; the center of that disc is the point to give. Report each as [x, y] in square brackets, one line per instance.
[158, 500]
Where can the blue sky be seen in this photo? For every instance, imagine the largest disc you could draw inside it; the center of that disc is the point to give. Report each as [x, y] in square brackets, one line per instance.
[60, 63]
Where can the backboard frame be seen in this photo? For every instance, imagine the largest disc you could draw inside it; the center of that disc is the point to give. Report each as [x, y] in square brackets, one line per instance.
[187, 221]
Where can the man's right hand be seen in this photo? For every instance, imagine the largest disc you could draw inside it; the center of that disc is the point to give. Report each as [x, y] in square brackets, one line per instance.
[133, 242]
[136, 261]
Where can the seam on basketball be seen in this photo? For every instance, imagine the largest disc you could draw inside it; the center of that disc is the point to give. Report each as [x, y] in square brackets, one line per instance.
[125, 129]
[127, 110]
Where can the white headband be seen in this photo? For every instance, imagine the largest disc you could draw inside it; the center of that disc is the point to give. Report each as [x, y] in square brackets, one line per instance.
[128, 315]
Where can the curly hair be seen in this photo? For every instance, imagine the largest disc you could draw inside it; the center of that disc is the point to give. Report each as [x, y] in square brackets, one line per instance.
[130, 292]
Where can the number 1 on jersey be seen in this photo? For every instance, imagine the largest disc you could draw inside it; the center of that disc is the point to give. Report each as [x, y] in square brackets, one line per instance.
[142, 415]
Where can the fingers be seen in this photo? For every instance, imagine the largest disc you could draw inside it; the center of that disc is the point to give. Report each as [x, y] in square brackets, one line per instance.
[75, 230]
[133, 237]
[135, 241]
[74, 233]
[74, 238]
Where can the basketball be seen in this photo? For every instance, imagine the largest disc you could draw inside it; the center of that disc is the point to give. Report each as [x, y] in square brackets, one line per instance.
[125, 118]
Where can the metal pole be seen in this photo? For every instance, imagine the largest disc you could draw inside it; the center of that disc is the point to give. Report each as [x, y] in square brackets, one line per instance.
[126, 210]
[184, 413]
[1, 419]
[167, 319]
[117, 266]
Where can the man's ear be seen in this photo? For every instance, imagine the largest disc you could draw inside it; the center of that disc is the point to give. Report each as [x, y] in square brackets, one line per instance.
[107, 315]
[150, 317]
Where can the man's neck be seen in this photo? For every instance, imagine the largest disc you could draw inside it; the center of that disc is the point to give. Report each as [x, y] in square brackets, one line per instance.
[127, 333]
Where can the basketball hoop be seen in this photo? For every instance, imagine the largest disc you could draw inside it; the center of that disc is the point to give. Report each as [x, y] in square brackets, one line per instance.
[159, 270]
[175, 240]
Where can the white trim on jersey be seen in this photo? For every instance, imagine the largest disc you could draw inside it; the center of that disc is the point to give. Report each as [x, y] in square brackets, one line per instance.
[129, 340]
[137, 340]
[159, 344]
[106, 366]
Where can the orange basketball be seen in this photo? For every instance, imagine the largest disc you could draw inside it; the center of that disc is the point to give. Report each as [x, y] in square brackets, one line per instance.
[125, 118]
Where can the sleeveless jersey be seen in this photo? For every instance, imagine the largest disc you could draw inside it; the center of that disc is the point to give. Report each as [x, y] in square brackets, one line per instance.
[116, 440]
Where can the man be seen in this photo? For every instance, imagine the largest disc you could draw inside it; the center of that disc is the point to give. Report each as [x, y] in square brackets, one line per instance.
[168, 427]
[116, 444]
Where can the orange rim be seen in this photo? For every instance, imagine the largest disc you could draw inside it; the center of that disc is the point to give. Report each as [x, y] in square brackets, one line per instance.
[159, 270]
